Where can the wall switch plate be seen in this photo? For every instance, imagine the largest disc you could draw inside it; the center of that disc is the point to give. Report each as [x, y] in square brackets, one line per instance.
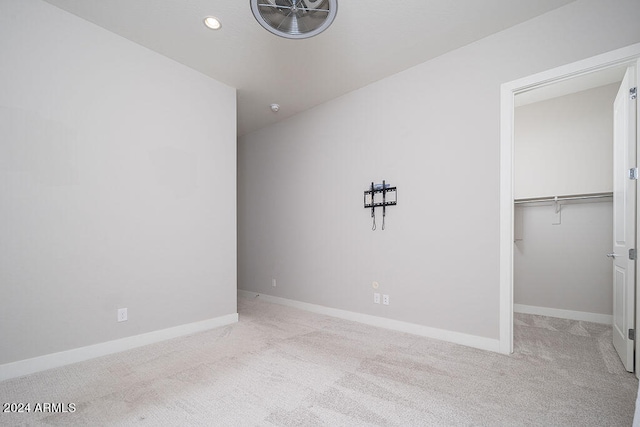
[385, 299]
[376, 298]
[122, 314]
[273, 282]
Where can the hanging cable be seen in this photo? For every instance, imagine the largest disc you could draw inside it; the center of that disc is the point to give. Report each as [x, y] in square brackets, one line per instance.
[384, 202]
[374, 221]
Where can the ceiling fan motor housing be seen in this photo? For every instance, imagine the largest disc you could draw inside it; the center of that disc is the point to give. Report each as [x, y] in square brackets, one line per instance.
[295, 19]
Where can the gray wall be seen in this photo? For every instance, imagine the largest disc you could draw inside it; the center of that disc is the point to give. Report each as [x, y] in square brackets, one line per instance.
[433, 131]
[564, 266]
[564, 146]
[111, 160]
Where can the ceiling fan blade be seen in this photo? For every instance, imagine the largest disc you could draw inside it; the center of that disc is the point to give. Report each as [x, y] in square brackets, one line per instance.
[312, 4]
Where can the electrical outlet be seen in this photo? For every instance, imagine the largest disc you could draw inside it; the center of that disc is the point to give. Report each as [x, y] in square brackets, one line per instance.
[385, 299]
[376, 298]
[122, 314]
[273, 282]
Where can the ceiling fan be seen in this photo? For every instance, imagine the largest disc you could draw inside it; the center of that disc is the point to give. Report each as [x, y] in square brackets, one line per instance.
[295, 19]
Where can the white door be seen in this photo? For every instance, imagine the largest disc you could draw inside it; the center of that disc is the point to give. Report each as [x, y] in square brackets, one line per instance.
[624, 219]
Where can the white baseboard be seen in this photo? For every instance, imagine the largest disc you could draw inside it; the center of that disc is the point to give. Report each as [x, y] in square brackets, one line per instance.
[381, 322]
[55, 360]
[564, 314]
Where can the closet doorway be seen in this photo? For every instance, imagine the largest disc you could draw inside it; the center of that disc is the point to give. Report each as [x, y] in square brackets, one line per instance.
[577, 71]
[563, 207]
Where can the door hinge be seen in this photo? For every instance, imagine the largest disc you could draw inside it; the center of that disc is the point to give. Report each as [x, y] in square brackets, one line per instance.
[633, 93]
[633, 173]
[632, 334]
[632, 254]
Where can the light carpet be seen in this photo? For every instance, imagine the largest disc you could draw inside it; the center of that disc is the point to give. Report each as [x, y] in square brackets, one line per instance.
[279, 366]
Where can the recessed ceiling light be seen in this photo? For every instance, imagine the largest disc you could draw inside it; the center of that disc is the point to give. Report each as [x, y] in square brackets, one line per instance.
[275, 108]
[212, 22]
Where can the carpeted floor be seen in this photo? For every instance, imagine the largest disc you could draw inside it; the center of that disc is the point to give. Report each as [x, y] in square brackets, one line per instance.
[280, 366]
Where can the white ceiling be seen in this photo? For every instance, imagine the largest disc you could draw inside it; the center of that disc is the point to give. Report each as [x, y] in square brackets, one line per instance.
[369, 40]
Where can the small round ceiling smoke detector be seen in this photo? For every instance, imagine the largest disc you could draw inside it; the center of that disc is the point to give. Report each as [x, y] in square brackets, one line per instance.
[275, 108]
[295, 19]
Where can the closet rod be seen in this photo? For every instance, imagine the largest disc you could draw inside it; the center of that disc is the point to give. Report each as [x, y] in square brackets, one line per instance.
[561, 198]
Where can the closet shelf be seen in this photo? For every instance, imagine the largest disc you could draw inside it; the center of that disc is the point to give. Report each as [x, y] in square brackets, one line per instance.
[563, 198]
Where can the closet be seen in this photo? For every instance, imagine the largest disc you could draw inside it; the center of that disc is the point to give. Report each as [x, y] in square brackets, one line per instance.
[563, 224]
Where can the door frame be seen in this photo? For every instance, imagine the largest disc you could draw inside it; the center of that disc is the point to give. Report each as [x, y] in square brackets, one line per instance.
[619, 57]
